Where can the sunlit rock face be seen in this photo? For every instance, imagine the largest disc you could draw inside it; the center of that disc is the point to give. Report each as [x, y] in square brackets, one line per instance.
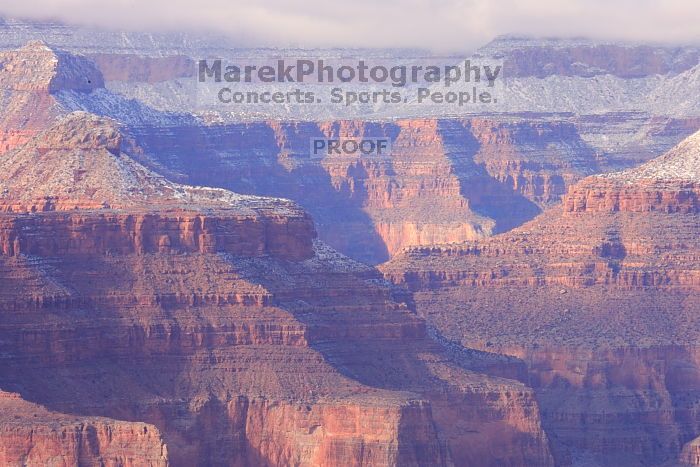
[32, 435]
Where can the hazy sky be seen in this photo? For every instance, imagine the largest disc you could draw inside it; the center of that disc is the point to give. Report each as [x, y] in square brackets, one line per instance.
[445, 25]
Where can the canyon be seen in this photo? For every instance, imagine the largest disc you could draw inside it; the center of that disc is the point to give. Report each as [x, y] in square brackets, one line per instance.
[187, 289]
[450, 178]
[184, 325]
[32, 435]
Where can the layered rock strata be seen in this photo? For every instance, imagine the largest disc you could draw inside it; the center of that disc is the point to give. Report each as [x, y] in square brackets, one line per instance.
[219, 319]
[30, 435]
[598, 299]
[444, 181]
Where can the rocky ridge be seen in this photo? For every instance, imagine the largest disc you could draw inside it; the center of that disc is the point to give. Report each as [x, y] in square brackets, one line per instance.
[444, 180]
[669, 183]
[29, 78]
[79, 176]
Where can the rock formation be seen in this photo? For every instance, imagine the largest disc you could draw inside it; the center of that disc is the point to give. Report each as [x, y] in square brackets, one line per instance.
[31, 435]
[449, 179]
[598, 299]
[444, 181]
[161, 322]
[669, 184]
[28, 78]
[219, 320]
[79, 164]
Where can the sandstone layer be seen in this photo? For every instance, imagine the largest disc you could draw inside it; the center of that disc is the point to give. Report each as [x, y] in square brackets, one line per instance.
[30, 435]
[447, 179]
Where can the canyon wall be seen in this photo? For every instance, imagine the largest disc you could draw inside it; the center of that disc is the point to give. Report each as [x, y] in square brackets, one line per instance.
[597, 299]
[30, 435]
[214, 329]
[649, 197]
[447, 180]
[217, 325]
[242, 360]
[444, 181]
[65, 233]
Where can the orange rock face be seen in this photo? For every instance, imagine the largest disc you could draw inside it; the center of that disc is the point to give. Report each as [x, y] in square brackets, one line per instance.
[643, 197]
[32, 435]
[67, 233]
[670, 184]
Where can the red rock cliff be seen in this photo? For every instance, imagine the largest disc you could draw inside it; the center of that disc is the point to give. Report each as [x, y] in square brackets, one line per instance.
[32, 435]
